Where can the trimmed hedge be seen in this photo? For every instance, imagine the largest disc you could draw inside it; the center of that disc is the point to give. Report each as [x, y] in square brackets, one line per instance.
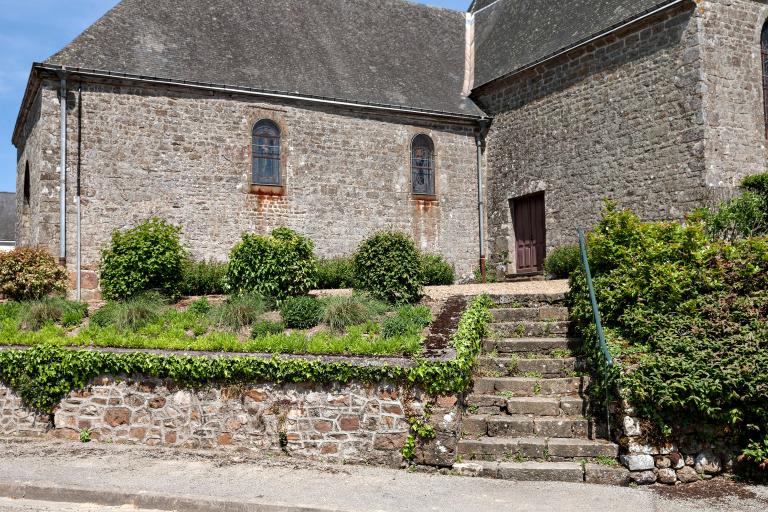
[437, 271]
[388, 266]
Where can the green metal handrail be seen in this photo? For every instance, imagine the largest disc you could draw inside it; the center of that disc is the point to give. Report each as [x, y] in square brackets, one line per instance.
[598, 328]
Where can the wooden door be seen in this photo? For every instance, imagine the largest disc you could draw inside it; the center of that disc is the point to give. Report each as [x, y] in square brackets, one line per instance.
[530, 233]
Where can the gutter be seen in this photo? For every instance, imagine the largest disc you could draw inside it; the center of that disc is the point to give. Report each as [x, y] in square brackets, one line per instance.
[631, 21]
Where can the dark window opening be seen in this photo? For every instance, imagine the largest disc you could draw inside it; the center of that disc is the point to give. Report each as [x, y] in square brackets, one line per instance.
[266, 153]
[422, 166]
[764, 59]
[26, 184]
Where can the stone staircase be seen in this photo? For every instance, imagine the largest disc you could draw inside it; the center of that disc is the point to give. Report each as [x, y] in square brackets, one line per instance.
[528, 417]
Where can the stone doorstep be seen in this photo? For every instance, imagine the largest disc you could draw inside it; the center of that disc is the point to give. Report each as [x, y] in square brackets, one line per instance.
[523, 471]
[532, 345]
[521, 425]
[536, 405]
[527, 299]
[527, 386]
[511, 366]
[526, 328]
[542, 314]
[534, 447]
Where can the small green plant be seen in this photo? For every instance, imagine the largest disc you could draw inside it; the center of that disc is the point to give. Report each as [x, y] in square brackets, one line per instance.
[604, 460]
[519, 331]
[561, 353]
[490, 275]
[563, 261]
[51, 310]
[345, 311]
[238, 311]
[85, 435]
[200, 306]
[473, 409]
[537, 388]
[532, 375]
[28, 273]
[335, 273]
[279, 266]
[301, 312]
[437, 271]
[409, 448]
[147, 257]
[204, 278]
[388, 266]
[131, 314]
[266, 328]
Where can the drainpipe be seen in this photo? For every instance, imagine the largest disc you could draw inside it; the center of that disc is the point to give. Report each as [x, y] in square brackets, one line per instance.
[77, 191]
[63, 170]
[480, 143]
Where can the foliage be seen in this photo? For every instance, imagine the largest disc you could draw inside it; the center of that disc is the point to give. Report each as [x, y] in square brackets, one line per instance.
[280, 265]
[742, 217]
[29, 273]
[51, 310]
[335, 273]
[131, 314]
[200, 306]
[340, 312]
[238, 311]
[147, 257]
[301, 312]
[490, 275]
[265, 328]
[408, 320]
[436, 270]
[47, 371]
[562, 261]
[686, 316]
[388, 265]
[204, 278]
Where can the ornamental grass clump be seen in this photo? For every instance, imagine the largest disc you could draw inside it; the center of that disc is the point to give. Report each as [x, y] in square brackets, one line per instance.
[28, 273]
[301, 312]
[132, 314]
[335, 273]
[204, 278]
[389, 267]
[407, 321]
[341, 312]
[34, 315]
[238, 311]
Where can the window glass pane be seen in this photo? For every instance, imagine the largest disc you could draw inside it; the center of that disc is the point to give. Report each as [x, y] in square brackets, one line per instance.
[266, 153]
[422, 166]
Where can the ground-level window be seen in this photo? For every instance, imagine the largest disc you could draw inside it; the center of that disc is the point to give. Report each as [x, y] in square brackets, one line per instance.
[26, 183]
[764, 55]
[266, 153]
[422, 166]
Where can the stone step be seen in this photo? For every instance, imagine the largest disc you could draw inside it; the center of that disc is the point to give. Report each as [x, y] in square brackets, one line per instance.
[523, 471]
[527, 386]
[536, 405]
[540, 314]
[526, 329]
[523, 300]
[554, 449]
[531, 345]
[514, 366]
[521, 425]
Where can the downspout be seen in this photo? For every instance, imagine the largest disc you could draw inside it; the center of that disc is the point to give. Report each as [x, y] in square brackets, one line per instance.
[63, 170]
[480, 144]
[77, 191]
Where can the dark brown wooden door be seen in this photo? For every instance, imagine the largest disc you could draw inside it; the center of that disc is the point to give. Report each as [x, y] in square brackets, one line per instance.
[530, 233]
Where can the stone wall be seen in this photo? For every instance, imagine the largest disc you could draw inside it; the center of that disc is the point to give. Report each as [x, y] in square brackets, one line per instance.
[186, 156]
[351, 423]
[619, 118]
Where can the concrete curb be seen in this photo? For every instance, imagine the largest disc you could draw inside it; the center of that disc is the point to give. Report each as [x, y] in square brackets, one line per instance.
[141, 500]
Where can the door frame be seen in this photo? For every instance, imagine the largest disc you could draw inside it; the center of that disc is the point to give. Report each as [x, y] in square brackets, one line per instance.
[513, 246]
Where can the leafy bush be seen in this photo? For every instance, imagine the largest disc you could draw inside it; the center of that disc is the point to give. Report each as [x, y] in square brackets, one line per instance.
[389, 267]
[437, 271]
[742, 217]
[301, 312]
[335, 273]
[280, 265]
[10, 310]
[681, 308]
[239, 311]
[266, 328]
[131, 314]
[408, 321]
[204, 278]
[562, 261]
[344, 311]
[147, 257]
[200, 306]
[51, 310]
[29, 273]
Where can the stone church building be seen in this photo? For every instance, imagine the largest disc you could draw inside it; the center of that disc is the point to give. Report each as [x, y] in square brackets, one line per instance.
[493, 132]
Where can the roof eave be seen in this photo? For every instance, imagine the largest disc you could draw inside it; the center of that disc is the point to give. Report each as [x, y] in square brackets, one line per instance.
[33, 83]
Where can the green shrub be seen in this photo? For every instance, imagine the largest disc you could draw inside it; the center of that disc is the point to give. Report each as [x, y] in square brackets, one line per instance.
[266, 328]
[757, 184]
[301, 312]
[742, 217]
[200, 306]
[51, 310]
[130, 315]
[335, 273]
[147, 257]
[204, 278]
[280, 265]
[389, 267]
[407, 321]
[239, 311]
[10, 310]
[345, 311]
[437, 271]
[28, 273]
[563, 261]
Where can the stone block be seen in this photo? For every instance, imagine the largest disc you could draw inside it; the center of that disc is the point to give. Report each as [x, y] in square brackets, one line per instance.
[667, 476]
[643, 477]
[687, 474]
[606, 475]
[708, 463]
[638, 462]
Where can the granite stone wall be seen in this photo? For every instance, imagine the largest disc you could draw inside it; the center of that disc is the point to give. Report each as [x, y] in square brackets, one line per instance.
[186, 157]
[620, 118]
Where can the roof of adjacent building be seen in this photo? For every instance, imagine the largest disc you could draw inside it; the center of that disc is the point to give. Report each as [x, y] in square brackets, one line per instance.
[511, 35]
[7, 216]
[379, 52]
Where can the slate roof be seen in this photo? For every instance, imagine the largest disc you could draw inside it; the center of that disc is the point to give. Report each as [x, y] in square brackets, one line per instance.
[7, 216]
[382, 52]
[513, 34]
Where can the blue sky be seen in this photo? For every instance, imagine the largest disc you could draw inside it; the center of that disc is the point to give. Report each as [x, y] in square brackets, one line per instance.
[31, 31]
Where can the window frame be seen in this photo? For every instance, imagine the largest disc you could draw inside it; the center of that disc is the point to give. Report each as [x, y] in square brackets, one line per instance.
[419, 141]
[257, 182]
[26, 186]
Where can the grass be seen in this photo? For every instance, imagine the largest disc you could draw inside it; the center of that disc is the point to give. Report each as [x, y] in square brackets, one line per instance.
[36, 314]
[604, 460]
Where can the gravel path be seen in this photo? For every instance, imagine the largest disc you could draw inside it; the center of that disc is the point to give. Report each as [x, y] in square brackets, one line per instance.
[443, 292]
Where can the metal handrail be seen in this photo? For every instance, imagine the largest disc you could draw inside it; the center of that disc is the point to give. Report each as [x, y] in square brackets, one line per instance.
[598, 328]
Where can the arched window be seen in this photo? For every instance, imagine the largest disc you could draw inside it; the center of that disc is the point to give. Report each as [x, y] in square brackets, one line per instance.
[26, 184]
[764, 56]
[266, 153]
[422, 166]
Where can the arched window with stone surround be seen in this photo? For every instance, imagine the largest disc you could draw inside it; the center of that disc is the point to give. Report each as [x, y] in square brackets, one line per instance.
[764, 60]
[266, 153]
[422, 166]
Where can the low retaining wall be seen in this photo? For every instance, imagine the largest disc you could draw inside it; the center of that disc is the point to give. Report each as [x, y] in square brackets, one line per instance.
[354, 422]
